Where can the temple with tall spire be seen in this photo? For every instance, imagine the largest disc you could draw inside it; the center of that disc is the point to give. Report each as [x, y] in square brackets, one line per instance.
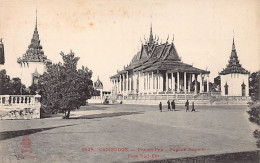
[234, 78]
[34, 60]
[157, 69]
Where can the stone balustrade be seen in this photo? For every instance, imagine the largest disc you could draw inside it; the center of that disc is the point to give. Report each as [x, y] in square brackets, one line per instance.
[20, 106]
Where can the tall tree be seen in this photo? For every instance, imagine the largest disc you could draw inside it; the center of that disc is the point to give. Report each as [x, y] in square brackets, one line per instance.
[63, 87]
[254, 82]
[254, 112]
[12, 86]
[4, 83]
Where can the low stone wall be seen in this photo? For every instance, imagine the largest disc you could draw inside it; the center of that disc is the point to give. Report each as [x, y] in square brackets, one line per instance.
[239, 157]
[20, 113]
[19, 107]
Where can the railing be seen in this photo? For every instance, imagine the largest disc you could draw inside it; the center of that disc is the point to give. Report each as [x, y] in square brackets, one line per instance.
[20, 106]
[19, 100]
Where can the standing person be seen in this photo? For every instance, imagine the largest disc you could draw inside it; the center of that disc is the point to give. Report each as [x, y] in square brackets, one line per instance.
[173, 105]
[187, 105]
[160, 106]
[193, 109]
[169, 105]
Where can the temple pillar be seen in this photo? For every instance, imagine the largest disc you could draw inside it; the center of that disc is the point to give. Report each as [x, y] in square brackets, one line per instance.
[208, 83]
[123, 82]
[195, 83]
[185, 82]
[152, 83]
[189, 82]
[167, 82]
[178, 82]
[161, 82]
[127, 81]
[120, 83]
[157, 81]
[148, 82]
[201, 84]
[130, 84]
[140, 82]
[173, 83]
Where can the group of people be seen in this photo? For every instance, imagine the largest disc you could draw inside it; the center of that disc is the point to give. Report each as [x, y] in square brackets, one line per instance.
[187, 105]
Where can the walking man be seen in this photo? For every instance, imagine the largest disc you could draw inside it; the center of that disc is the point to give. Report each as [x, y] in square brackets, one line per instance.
[169, 105]
[187, 105]
[193, 109]
[173, 105]
[160, 106]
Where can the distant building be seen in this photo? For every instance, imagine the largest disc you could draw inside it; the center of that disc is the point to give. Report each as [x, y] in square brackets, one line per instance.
[33, 62]
[234, 78]
[98, 85]
[158, 69]
[2, 55]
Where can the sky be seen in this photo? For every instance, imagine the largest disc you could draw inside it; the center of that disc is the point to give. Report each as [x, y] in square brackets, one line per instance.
[106, 34]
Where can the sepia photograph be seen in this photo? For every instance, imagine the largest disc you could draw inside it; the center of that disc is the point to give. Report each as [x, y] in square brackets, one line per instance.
[159, 81]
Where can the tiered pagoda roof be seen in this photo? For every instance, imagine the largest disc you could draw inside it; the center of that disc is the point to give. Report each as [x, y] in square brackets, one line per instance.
[34, 53]
[154, 56]
[233, 64]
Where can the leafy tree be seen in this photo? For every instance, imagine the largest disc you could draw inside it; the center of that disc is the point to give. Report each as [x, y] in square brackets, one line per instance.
[254, 112]
[254, 80]
[11, 87]
[63, 87]
[17, 87]
[4, 82]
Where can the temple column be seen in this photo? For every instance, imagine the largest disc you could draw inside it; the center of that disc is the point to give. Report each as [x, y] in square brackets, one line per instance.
[157, 81]
[116, 86]
[130, 84]
[140, 82]
[127, 81]
[173, 84]
[178, 82]
[148, 82]
[152, 88]
[208, 83]
[134, 81]
[161, 82]
[123, 82]
[185, 82]
[120, 83]
[201, 84]
[167, 82]
[195, 83]
[189, 82]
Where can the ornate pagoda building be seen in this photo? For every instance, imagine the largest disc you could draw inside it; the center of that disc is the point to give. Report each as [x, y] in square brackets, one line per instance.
[234, 78]
[33, 62]
[156, 70]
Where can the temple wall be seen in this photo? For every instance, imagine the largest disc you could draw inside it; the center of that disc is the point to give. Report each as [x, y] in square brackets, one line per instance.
[234, 82]
[28, 70]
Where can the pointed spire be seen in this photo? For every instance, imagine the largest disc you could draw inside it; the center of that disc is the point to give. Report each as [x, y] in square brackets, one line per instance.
[151, 35]
[233, 45]
[36, 21]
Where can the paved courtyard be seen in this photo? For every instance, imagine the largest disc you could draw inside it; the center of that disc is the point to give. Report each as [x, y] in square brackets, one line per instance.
[127, 133]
